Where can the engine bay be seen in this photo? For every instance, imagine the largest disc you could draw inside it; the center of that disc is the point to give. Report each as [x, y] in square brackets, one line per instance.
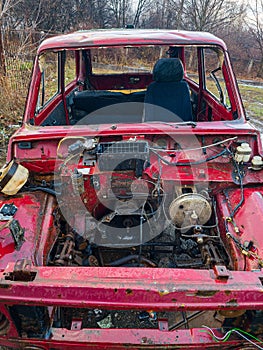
[131, 207]
[138, 201]
[147, 201]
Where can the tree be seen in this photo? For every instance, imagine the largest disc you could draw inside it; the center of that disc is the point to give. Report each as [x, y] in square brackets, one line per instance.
[120, 10]
[5, 7]
[255, 24]
[201, 15]
[165, 14]
[142, 7]
[211, 15]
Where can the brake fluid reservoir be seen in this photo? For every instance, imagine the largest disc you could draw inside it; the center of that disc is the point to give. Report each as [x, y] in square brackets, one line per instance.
[243, 153]
[257, 163]
[12, 177]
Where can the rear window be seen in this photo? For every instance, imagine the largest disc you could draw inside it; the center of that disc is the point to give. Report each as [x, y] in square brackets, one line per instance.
[191, 63]
[125, 59]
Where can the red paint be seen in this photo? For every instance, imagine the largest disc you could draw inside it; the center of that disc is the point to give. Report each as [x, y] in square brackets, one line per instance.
[30, 214]
[123, 288]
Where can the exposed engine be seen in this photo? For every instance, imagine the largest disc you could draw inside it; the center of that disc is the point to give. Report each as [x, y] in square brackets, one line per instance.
[133, 202]
[123, 213]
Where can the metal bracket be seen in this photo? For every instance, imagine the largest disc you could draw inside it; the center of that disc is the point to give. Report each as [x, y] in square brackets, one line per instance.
[22, 271]
[221, 272]
[76, 324]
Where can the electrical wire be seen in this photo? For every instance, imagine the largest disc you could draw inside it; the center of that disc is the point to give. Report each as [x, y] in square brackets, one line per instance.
[164, 211]
[250, 341]
[234, 211]
[68, 159]
[68, 138]
[238, 331]
[225, 151]
[188, 318]
[43, 189]
[194, 149]
[158, 183]
[192, 226]
[199, 235]
[232, 214]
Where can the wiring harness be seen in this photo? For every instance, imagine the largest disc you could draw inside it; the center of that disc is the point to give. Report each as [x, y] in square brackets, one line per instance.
[245, 335]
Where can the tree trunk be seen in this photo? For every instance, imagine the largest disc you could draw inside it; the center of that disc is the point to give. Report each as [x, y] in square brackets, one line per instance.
[260, 70]
[2, 53]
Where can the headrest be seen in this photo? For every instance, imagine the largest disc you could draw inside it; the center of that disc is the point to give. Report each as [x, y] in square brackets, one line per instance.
[168, 69]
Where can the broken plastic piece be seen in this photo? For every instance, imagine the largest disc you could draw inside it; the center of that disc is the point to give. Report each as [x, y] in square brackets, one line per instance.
[13, 176]
[7, 211]
[106, 322]
[17, 233]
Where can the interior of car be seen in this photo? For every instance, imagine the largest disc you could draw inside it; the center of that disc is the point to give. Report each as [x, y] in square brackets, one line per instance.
[101, 86]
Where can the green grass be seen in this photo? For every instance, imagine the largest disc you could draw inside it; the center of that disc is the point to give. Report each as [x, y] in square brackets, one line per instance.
[253, 100]
[255, 111]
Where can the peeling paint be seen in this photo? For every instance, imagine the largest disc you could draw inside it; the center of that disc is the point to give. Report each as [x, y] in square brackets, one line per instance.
[205, 293]
[163, 292]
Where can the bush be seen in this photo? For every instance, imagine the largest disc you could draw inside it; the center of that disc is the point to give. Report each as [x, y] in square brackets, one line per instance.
[11, 112]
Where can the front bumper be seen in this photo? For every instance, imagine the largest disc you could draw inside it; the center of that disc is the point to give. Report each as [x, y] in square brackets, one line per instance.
[125, 289]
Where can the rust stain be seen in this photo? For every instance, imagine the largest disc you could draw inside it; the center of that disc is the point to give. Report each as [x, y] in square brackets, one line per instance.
[163, 292]
[205, 293]
[232, 302]
[129, 291]
[146, 340]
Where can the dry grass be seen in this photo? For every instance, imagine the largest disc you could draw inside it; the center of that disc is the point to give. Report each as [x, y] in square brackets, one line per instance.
[11, 112]
[11, 101]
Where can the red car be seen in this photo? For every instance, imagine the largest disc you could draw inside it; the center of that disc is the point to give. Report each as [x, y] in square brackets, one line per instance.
[131, 206]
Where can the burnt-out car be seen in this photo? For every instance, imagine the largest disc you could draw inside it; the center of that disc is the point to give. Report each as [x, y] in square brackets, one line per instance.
[131, 207]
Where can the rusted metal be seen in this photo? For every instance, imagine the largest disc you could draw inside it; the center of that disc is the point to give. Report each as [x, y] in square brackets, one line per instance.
[221, 272]
[167, 288]
[22, 271]
[68, 270]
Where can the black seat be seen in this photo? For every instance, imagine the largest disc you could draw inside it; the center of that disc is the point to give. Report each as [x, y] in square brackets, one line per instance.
[168, 91]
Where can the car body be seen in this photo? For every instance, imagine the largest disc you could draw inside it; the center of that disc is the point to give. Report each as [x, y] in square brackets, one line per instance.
[125, 224]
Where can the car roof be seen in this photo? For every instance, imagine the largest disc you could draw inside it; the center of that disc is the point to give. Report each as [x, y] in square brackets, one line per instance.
[127, 37]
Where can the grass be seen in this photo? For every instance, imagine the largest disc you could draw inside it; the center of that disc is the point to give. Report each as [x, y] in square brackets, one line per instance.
[253, 100]
[11, 112]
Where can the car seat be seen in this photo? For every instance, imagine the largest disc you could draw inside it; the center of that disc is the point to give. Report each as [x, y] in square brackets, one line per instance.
[168, 91]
